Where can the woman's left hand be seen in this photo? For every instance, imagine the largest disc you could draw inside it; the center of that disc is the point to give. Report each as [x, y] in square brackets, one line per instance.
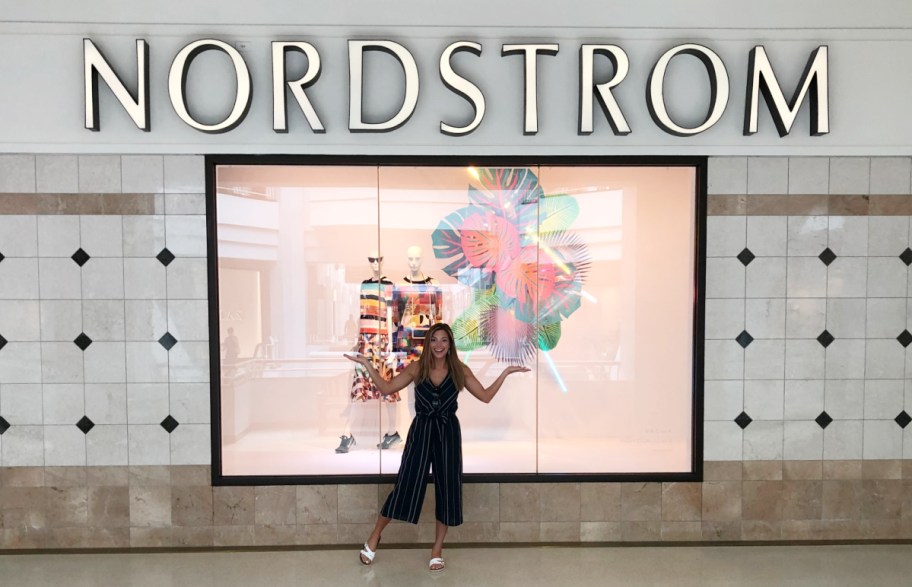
[516, 369]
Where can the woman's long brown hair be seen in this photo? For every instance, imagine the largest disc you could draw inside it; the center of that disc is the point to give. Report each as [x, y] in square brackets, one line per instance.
[454, 365]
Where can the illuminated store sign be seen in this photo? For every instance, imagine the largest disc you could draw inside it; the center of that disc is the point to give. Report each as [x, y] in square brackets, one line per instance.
[761, 78]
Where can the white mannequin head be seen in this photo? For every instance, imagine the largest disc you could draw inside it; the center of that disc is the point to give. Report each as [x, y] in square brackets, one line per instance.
[414, 260]
[376, 262]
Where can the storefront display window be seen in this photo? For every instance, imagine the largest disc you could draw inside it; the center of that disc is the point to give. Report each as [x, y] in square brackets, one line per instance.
[585, 273]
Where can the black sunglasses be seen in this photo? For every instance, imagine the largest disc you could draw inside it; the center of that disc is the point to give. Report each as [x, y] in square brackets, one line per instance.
[375, 259]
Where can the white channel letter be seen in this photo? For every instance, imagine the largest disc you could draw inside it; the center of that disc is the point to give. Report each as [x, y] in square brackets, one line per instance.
[177, 81]
[95, 64]
[356, 51]
[718, 82]
[280, 51]
[814, 81]
[530, 53]
[461, 86]
[606, 100]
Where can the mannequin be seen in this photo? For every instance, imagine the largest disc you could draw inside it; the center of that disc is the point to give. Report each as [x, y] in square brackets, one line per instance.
[419, 305]
[375, 341]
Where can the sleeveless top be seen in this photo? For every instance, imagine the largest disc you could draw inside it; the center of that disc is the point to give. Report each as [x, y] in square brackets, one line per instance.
[436, 401]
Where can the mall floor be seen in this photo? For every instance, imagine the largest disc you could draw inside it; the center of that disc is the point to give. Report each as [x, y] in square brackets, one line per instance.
[863, 565]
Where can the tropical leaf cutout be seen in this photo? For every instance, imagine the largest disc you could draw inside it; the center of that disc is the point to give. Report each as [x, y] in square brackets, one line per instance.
[549, 335]
[510, 340]
[504, 189]
[556, 212]
[468, 328]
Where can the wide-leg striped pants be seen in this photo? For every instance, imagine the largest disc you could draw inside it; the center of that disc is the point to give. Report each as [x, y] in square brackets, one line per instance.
[433, 441]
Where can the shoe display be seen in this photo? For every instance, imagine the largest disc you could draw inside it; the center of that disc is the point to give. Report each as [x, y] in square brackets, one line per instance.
[348, 442]
[389, 440]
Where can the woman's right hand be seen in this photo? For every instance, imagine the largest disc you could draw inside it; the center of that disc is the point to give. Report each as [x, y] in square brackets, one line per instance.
[356, 357]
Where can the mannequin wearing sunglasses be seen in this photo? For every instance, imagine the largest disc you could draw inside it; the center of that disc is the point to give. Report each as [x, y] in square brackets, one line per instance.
[375, 341]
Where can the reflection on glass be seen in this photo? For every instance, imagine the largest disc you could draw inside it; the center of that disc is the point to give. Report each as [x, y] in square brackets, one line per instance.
[583, 274]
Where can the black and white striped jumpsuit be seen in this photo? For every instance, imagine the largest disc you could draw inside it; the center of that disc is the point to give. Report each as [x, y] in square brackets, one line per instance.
[434, 440]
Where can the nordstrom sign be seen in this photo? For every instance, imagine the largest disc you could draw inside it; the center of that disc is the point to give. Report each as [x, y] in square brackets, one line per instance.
[812, 87]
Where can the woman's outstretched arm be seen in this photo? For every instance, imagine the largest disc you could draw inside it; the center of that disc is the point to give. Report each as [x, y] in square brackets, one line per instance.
[386, 387]
[486, 394]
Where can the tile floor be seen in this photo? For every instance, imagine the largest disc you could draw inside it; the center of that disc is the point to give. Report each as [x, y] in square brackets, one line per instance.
[862, 565]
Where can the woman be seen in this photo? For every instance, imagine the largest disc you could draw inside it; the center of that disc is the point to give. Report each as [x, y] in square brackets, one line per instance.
[434, 438]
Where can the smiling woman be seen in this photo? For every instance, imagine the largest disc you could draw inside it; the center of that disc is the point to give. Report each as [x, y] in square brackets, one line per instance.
[584, 275]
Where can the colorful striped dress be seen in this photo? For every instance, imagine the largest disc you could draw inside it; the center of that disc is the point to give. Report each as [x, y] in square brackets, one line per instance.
[376, 302]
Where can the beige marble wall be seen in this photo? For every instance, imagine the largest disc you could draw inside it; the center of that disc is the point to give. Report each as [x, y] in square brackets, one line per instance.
[175, 507]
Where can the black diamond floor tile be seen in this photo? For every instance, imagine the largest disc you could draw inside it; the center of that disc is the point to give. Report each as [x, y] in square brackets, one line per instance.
[83, 341]
[744, 339]
[905, 338]
[167, 341]
[85, 424]
[81, 257]
[746, 256]
[165, 257]
[825, 338]
[823, 420]
[3, 341]
[906, 256]
[2, 257]
[743, 420]
[903, 419]
[827, 256]
[169, 424]
[4, 425]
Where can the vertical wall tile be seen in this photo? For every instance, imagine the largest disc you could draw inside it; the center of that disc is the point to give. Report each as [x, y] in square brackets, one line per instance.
[147, 362]
[103, 279]
[17, 174]
[57, 174]
[185, 174]
[848, 235]
[143, 279]
[64, 446]
[99, 174]
[845, 359]
[23, 446]
[61, 362]
[804, 359]
[887, 277]
[847, 277]
[190, 402]
[145, 320]
[724, 278]
[19, 279]
[763, 399]
[20, 320]
[850, 175]
[190, 445]
[188, 320]
[803, 399]
[106, 403]
[763, 441]
[185, 236]
[891, 175]
[803, 441]
[102, 236]
[142, 174]
[188, 279]
[767, 236]
[103, 320]
[63, 403]
[767, 175]
[883, 399]
[106, 446]
[724, 360]
[806, 278]
[58, 236]
[147, 403]
[845, 318]
[22, 403]
[105, 362]
[725, 235]
[18, 235]
[61, 320]
[764, 359]
[807, 235]
[722, 441]
[766, 317]
[884, 359]
[808, 175]
[189, 362]
[842, 440]
[886, 317]
[844, 399]
[888, 236]
[724, 318]
[20, 362]
[805, 318]
[723, 400]
[185, 204]
[149, 444]
[882, 440]
[766, 277]
[143, 236]
[59, 279]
